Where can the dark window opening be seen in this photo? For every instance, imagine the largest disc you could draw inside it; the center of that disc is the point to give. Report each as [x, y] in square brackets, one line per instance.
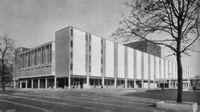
[71, 43]
[71, 54]
[71, 66]
[89, 48]
[89, 68]
[71, 32]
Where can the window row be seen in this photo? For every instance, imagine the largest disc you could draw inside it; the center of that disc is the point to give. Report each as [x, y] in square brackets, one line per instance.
[42, 55]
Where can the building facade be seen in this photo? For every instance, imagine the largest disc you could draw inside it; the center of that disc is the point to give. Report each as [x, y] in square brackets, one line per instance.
[79, 59]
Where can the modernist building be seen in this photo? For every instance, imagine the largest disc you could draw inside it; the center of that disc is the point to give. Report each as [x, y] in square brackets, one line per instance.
[79, 59]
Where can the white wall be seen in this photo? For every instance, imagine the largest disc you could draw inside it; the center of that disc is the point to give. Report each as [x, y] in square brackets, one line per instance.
[162, 69]
[170, 69]
[152, 67]
[130, 63]
[109, 59]
[121, 61]
[173, 70]
[176, 71]
[166, 69]
[95, 56]
[157, 68]
[146, 65]
[138, 64]
[78, 52]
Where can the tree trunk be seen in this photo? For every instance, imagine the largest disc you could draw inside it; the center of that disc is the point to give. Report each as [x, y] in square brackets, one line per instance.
[179, 71]
[2, 76]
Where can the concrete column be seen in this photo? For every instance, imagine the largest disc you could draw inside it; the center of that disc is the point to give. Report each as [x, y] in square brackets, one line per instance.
[14, 83]
[142, 67]
[126, 83]
[26, 86]
[149, 71]
[142, 83]
[155, 68]
[126, 67]
[115, 82]
[115, 64]
[69, 82]
[103, 81]
[46, 82]
[20, 84]
[32, 83]
[169, 83]
[154, 84]
[135, 85]
[188, 83]
[88, 80]
[38, 83]
[134, 67]
[55, 82]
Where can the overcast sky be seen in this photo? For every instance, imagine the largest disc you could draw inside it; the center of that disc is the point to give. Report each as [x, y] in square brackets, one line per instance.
[34, 22]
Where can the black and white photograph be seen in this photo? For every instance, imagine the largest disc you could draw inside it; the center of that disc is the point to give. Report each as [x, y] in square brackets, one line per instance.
[99, 55]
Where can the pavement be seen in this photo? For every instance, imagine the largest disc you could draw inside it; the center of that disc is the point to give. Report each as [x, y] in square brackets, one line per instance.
[76, 100]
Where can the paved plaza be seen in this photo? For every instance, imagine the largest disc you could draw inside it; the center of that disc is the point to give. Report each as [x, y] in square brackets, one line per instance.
[76, 100]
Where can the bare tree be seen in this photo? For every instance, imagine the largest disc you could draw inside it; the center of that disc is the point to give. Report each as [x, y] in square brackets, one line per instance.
[6, 55]
[178, 21]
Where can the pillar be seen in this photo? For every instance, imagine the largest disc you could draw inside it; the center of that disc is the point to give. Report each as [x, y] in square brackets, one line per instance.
[26, 83]
[46, 82]
[149, 83]
[149, 71]
[135, 85]
[55, 82]
[69, 82]
[126, 66]
[188, 83]
[38, 83]
[88, 81]
[115, 82]
[14, 83]
[169, 83]
[20, 84]
[31, 83]
[103, 81]
[126, 83]
[142, 84]
[154, 84]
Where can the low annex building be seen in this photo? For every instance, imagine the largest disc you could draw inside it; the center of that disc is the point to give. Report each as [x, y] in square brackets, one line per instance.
[82, 60]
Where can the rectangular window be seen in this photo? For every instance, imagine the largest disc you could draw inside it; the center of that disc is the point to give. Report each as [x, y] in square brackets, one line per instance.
[89, 68]
[23, 56]
[43, 55]
[29, 60]
[71, 43]
[90, 48]
[90, 38]
[71, 55]
[50, 53]
[101, 41]
[71, 66]
[101, 51]
[47, 54]
[101, 69]
[90, 59]
[71, 32]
